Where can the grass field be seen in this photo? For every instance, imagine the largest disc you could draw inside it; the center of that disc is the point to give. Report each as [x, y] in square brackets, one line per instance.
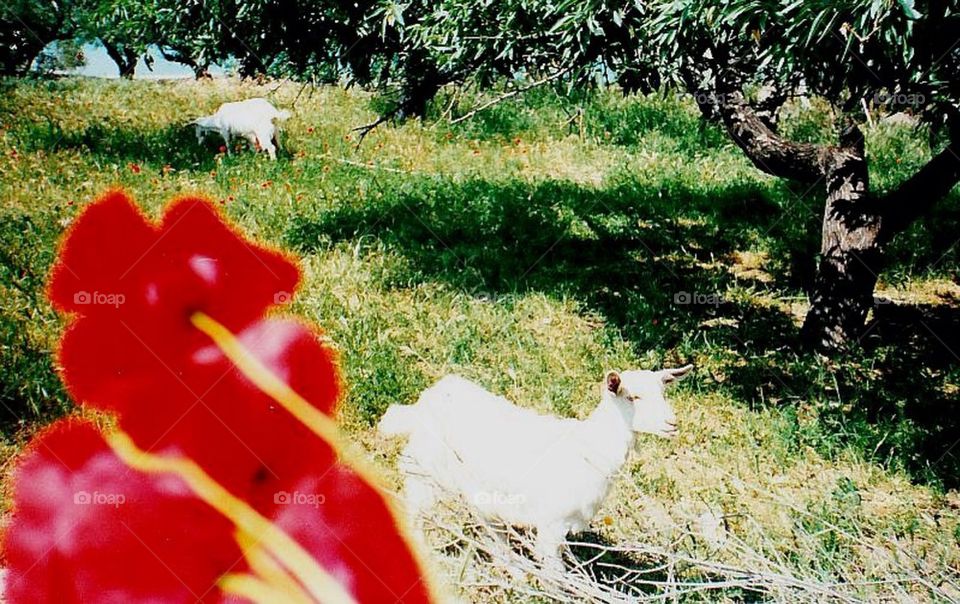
[530, 249]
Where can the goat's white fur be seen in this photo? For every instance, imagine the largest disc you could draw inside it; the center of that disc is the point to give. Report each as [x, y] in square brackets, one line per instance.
[252, 119]
[520, 467]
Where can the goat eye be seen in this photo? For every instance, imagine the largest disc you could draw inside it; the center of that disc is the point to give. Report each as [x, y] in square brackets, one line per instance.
[633, 398]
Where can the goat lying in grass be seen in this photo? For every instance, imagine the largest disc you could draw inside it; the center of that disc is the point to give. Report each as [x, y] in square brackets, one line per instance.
[522, 468]
[252, 119]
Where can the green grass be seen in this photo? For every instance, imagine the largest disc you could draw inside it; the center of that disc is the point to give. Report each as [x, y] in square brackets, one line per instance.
[531, 253]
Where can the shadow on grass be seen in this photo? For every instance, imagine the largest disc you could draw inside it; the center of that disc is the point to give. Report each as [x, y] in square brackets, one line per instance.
[175, 146]
[640, 575]
[655, 262]
[623, 250]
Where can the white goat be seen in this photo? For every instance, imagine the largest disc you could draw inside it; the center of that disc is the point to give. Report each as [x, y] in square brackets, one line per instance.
[522, 468]
[252, 119]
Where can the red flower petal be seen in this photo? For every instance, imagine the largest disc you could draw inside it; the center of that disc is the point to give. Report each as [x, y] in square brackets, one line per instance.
[103, 245]
[198, 379]
[238, 279]
[113, 262]
[344, 523]
[87, 528]
[198, 398]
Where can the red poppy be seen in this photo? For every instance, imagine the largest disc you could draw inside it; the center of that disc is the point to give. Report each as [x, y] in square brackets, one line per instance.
[224, 430]
[134, 351]
[135, 168]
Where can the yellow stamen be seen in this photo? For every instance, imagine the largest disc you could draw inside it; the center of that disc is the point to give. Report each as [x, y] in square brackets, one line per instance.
[318, 422]
[291, 554]
[252, 588]
[251, 367]
[265, 566]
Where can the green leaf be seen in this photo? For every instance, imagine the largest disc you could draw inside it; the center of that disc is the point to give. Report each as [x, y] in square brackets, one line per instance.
[909, 10]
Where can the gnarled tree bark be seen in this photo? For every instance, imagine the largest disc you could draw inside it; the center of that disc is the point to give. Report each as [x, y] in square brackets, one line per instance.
[850, 254]
[856, 225]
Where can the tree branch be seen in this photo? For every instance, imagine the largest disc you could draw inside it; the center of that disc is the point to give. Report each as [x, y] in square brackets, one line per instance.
[768, 151]
[918, 194]
[509, 95]
[368, 128]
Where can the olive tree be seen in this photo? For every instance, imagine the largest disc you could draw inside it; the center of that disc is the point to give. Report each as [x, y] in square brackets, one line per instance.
[26, 27]
[855, 55]
[191, 32]
[123, 27]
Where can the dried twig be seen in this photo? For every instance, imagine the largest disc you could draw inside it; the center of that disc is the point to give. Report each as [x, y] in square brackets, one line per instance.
[607, 573]
[511, 94]
[368, 128]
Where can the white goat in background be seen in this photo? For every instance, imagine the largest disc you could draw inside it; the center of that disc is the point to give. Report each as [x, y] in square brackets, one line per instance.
[520, 467]
[252, 119]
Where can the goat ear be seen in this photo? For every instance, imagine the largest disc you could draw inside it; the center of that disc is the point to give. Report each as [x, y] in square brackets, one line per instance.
[612, 382]
[672, 375]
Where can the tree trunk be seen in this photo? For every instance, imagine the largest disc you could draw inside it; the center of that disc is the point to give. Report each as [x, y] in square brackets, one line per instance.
[855, 226]
[201, 72]
[850, 256]
[250, 66]
[126, 59]
[201, 69]
[851, 244]
[422, 81]
[129, 65]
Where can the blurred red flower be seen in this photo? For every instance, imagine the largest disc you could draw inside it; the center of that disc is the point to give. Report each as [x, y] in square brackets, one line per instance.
[223, 423]
[132, 349]
[88, 527]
